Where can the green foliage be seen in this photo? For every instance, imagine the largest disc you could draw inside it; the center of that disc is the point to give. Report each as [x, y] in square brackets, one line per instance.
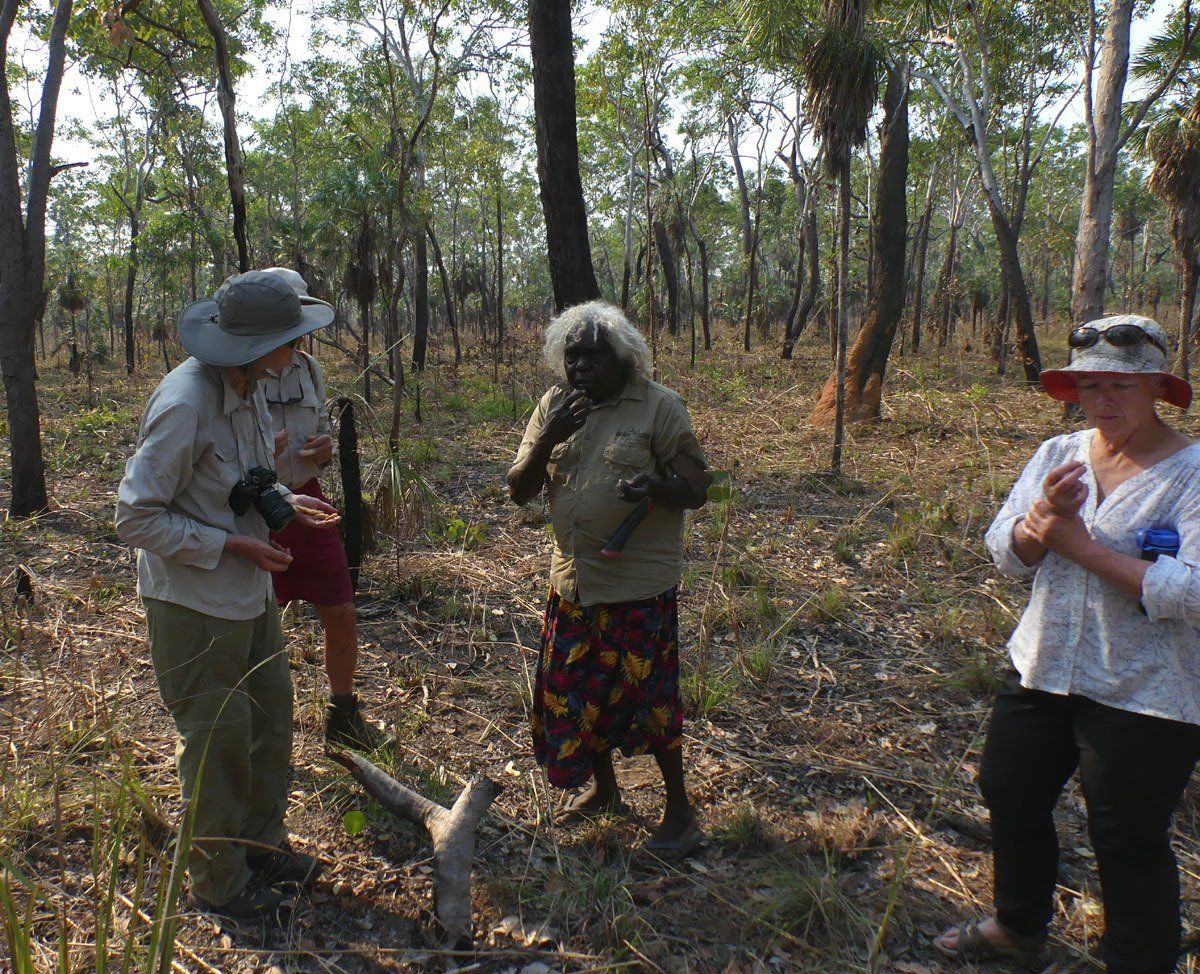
[457, 533]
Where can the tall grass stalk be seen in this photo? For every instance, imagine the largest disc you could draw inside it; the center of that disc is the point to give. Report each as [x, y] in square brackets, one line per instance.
[900, 873]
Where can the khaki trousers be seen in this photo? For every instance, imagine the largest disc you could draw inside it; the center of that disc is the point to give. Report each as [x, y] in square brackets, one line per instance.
[229, 690]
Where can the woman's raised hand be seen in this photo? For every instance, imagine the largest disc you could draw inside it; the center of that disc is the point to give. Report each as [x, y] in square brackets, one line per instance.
[1065, 490]
[568, 416]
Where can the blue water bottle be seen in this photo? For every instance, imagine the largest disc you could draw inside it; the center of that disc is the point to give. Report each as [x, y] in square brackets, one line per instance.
[1153, 542]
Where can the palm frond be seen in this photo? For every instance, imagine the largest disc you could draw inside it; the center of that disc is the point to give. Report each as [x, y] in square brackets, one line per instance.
[841, 76]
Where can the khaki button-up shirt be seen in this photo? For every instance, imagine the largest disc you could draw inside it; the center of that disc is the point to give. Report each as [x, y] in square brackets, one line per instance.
[640, 430]
[296, 398]
[198, 438]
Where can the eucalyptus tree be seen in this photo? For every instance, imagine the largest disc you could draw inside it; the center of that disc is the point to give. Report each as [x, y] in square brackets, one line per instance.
[1104, 49]
[415, 56]
[23, 246]
[997, 67]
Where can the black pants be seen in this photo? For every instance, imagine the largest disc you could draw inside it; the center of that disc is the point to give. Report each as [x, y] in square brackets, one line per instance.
[1133, 769]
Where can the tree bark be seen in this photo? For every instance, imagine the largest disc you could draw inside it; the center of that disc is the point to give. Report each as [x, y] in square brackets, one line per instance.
[226, 99]
[922, 249]
[447, 293]
[748, 248]
[131, 270]
[451, 832]
[559, 182]
[705, 322]
[867, 363]
[812, 257]
[1187, 310]
[23, 261]
[666, 259]
[420, 294]
[841, 329]
[627, 236]
[1103, 114]
[1018, 293]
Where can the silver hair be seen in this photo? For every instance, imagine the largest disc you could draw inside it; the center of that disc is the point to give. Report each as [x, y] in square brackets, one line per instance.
[600, 319]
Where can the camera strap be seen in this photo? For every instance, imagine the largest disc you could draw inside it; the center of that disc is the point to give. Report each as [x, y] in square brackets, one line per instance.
[237, 440]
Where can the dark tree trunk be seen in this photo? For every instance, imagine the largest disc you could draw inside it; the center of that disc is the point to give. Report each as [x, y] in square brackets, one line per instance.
[1187, 310]
[748, 235]
[561, 187]
[420, 295]
[447, 293]
[705, 322]
[23, 261]
[500, 323]
[234, 169]
[946, 286]
[1018, 293]
[867, 362]
[922, 250]
[811, 255]
[666, 258]
[131, 270]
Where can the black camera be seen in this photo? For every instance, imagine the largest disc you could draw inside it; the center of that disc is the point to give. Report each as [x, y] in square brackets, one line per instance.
[259, 487]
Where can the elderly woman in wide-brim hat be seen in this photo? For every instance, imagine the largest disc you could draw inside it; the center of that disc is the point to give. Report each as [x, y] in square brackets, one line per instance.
[197, 502]
[1106, 658]
[608, 441]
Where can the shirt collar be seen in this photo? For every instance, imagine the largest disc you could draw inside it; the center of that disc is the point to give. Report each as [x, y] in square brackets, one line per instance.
[634, 388]
[232, 400]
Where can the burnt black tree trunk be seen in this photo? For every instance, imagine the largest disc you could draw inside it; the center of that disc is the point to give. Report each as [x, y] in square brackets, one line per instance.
[420, 294]
[666, 257]
[23, 260]
[705, 321]
[561, 188]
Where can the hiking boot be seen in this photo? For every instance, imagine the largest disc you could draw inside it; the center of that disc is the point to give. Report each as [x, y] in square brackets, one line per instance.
[285, 865]
[346, 727]
[257, 901]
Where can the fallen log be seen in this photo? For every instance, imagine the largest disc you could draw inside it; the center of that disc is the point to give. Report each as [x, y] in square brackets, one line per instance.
[451, 831]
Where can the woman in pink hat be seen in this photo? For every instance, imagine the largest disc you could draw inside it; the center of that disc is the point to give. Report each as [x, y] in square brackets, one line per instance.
[1106, 657]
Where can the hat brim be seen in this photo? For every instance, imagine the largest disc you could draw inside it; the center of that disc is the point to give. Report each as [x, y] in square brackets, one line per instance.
[202, 338]
[1060, 385]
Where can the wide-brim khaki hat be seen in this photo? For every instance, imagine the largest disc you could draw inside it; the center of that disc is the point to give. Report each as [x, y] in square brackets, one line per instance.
[1141, 358]
[252, 314]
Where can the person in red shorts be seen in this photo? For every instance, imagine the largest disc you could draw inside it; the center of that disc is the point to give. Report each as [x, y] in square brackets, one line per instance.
[319, 573]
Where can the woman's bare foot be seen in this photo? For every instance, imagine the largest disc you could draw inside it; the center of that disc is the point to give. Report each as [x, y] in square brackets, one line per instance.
[595, 801]
[676, 824]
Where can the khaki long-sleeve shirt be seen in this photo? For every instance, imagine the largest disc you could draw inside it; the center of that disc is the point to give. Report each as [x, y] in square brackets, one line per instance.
[642, 429]
[296, 398]
[198, 438]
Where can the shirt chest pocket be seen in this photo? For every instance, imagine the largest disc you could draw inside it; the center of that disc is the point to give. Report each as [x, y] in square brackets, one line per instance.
[228, 460]
[556, 464]
[628, 458]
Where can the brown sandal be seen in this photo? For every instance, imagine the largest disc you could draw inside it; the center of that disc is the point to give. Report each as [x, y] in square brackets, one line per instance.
[973, 945]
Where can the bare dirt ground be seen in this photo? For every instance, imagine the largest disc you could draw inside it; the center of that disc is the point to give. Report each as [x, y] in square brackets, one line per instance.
[840, 640]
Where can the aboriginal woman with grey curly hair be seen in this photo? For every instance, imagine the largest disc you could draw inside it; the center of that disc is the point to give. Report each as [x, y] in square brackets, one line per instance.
[606, 442]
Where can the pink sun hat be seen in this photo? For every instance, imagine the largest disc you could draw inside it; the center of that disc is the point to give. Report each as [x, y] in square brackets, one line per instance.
[1119, 343]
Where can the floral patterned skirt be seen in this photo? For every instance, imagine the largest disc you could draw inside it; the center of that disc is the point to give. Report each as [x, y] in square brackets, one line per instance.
[607, 677]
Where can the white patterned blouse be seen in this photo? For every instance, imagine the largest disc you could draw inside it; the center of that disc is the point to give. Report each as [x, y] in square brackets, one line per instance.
[1080, 634]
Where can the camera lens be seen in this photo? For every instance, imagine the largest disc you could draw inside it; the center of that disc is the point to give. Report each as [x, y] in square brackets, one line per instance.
[276, 511]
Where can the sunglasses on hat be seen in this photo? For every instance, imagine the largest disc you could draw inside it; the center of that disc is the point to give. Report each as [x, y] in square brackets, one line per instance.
[1122, 336]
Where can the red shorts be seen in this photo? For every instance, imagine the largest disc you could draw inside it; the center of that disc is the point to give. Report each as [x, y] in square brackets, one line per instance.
[319, 572]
